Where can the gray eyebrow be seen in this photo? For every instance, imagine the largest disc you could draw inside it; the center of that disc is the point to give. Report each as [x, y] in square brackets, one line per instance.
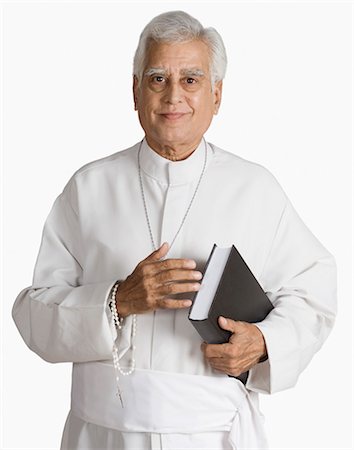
[155, 71]
[193, 72]
[161, 71]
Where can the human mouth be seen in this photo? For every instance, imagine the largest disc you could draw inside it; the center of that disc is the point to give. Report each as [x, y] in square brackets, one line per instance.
[173, 116]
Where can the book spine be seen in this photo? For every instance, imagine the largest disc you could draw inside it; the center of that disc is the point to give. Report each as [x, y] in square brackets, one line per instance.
[210, 332]
[214, 311]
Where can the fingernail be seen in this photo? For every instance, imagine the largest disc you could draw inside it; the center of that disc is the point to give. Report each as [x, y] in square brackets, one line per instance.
[187, 303]
[222, 320]
[191, 264]
[198, 275]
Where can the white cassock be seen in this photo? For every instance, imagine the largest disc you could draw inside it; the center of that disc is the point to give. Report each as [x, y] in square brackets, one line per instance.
[97, 232]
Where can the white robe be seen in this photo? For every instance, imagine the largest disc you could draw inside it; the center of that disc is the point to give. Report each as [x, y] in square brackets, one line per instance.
[96, 233]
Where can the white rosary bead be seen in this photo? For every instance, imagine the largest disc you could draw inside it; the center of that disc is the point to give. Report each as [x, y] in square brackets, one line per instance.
[118, 322]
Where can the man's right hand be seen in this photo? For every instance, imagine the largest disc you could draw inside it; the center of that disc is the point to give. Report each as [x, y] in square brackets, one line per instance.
[154, 280]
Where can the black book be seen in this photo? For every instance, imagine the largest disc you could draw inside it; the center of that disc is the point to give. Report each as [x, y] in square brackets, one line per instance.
[228, 289]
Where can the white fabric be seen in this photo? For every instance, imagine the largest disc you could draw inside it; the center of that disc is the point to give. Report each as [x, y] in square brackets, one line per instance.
[96, 233]
[79, 434]
[167, 403]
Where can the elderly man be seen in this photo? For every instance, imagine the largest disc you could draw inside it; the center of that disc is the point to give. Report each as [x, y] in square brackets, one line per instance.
[120, 260]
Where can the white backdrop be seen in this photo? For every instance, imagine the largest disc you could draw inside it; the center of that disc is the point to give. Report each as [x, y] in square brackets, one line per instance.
[66, 93]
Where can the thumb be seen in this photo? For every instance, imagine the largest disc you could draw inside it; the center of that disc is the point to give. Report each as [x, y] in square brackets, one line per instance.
[159, 253]
[227, 324]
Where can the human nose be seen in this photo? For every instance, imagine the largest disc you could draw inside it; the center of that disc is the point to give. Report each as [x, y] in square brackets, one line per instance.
[173, 93]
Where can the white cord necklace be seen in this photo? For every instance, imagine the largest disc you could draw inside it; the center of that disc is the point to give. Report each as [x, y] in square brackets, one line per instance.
[188, 208]
[115, 316]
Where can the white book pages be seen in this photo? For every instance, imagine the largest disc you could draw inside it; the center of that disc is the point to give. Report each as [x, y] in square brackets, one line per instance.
[210, 282]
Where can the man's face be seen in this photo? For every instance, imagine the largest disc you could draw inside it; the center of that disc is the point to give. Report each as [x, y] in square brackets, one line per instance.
[175, 100]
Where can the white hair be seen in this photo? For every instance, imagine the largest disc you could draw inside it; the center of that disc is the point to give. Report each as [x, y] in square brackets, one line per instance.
[178, 26]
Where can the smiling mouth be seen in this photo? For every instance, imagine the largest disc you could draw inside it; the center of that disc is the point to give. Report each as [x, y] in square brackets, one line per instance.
[173, 116]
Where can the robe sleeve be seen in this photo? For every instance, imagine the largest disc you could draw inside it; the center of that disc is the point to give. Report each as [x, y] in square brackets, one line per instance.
[300, 279]
[59, 318]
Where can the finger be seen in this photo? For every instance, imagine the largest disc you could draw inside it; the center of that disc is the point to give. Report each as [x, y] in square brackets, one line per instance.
[216, 350]
[230, 370]
[219, 362]
[216, 364]
[221, 370]
[170, 303]
[177, 288]
[158, 254]
[227, 324]
[171, 275]
[225, 363]
[232, 363]
[156, 267]
[176, 263]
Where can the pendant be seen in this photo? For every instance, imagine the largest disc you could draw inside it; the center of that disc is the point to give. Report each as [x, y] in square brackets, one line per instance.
[119, 394]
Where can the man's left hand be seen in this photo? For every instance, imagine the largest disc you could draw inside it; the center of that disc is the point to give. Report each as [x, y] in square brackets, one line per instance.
[245, 348]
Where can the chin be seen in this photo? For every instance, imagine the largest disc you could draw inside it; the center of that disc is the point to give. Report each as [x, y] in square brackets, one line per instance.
[172, 139]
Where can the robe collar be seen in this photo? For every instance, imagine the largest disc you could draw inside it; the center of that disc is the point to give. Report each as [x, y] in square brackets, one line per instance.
[174, 172]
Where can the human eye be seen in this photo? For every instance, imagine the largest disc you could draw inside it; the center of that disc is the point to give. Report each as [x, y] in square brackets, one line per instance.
[157, 82]
[190, 83]
[158, 79]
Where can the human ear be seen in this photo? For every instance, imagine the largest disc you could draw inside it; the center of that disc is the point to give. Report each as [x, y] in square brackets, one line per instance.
[217, 96]
[135, 92]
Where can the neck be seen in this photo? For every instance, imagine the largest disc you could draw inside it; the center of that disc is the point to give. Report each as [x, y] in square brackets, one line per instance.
[173, 153]
[175, 156]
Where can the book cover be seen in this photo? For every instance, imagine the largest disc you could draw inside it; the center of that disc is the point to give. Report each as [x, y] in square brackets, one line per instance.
[228, 289]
